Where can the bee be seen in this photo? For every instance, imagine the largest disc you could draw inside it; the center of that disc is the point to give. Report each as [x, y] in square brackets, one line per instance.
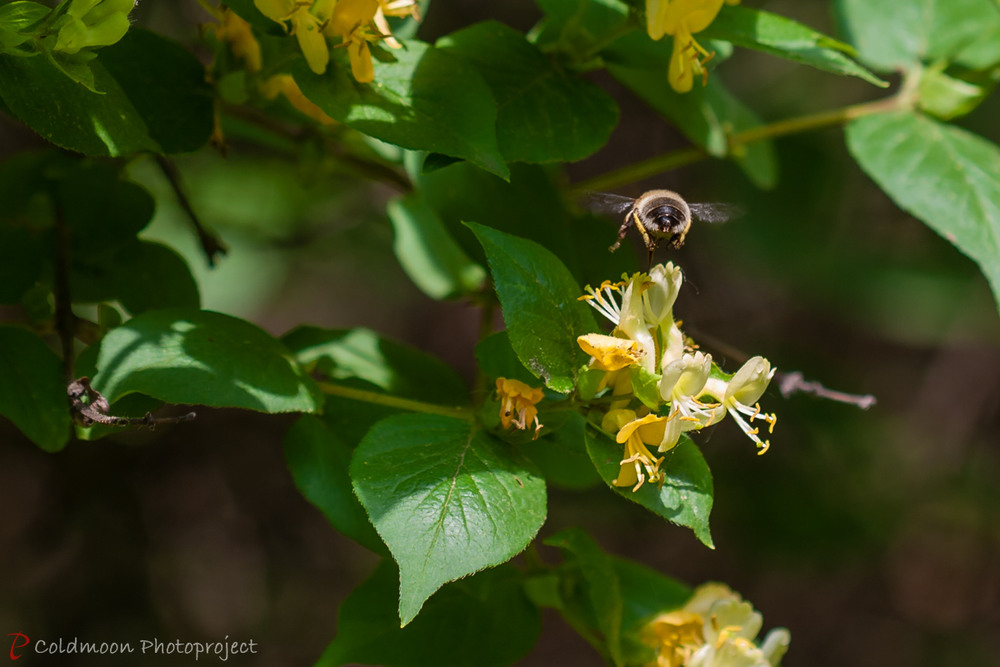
[659, 215]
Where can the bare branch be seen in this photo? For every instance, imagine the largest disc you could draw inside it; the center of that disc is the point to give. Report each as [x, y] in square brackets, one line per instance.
[795, 382]
[90, 407]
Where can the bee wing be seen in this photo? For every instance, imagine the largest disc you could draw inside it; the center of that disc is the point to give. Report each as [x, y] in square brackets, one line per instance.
[716, 212]
[607, 203]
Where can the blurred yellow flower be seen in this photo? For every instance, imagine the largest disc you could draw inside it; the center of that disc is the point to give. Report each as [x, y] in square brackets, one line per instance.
[306, 26]
[715, 628]
[238, 33]
[284, 84]
[683, 18]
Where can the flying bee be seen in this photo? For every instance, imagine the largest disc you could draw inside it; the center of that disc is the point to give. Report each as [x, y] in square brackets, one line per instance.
[659, 215]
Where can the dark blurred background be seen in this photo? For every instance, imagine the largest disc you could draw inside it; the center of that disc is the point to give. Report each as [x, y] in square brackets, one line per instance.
[872, 535]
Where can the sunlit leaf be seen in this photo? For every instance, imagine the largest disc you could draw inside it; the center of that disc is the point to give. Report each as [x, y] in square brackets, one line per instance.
[941, 174]
[686, 496]
[446, 498]
[427, 252]
[422, 99]
[781, 36]
[192, 356]
[540, 305]
[896, 34]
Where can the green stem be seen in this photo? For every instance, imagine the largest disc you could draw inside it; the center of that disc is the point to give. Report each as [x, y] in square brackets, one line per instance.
[396, 401]
[685, 156]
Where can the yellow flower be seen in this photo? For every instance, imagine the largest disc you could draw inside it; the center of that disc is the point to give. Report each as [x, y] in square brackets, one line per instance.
[681, 383]
[715, 628]
[517, 404]
[739, 396]
[638, 463]
[683, 18]
[238, 33]
[610, 353]
[284, 84]
[351, 21]
[306, 26]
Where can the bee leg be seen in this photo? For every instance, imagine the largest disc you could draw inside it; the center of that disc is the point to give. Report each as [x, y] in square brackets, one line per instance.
[622, 231]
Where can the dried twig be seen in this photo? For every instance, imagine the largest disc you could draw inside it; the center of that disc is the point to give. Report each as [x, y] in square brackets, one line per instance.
[90, 407]
[795, 382]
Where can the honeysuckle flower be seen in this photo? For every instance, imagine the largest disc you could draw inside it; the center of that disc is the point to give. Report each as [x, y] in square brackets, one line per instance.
[306, 26]
[683, 18]
[351, 21]
[610, 353]
[638, 464]
[681, 383]
[284, 84]
[739, 397]
[661, 292]
[629, 315]
[715, 628]
[517, 404]
[398, 8]
[238, 33]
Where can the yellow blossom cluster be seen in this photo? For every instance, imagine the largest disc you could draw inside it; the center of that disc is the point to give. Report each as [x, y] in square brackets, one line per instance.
[715, 628]
[354, 22]
[683, 18]
[692, 392]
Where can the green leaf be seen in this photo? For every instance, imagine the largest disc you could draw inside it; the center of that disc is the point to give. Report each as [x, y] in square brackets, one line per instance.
[67, 114]
[646, 386]
[579, 28]
[319, 461]
[152, 276]
[422, 99]
[686, 495]
[941, 174]
[951, 93]
[21, 256]
[562, 455]
[394, 368]
[707, 115]
[446, 498]
[603, 590]
[142, 276]
[783, 37]
[540, 304]
[544, 114]
[645, 593]
[191, 356]
[427, 252]
[496, 359]
[103, 211]
[16, 22]
[484, 620]
[33, 389]
[166, 84]
[462, 192]
[896, 34]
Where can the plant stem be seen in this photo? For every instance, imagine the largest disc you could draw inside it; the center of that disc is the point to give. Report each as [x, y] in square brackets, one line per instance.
[64, 319]
[396, 401]
[685, 156]
[211, 245]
